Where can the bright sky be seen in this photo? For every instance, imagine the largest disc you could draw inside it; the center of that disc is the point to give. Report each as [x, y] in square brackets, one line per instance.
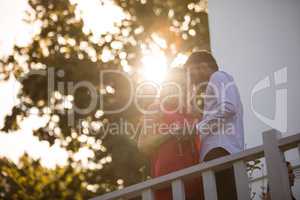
[15, 144]
[11, 23]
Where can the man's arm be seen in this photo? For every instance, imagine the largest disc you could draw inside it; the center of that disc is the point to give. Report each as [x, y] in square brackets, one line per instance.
[222, 95]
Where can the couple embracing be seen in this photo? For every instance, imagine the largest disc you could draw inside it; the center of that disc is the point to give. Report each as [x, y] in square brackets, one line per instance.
[180, 134]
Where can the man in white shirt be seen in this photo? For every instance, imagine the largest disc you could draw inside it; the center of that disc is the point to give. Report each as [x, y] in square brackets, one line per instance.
[221, 128]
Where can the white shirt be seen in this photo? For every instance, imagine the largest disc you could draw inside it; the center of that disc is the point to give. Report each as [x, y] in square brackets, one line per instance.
[222, 123]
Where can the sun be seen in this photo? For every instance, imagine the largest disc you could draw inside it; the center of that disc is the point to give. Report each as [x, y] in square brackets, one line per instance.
[154, 67]
[154, 60]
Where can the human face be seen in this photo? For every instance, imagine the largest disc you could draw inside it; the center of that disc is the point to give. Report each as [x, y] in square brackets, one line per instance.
[199, 73]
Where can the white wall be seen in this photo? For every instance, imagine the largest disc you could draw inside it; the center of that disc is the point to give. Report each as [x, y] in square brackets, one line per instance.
[251, 40]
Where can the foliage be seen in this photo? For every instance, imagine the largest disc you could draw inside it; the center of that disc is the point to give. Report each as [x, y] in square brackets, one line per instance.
[253, 166]
[73, 54]
[29, 180]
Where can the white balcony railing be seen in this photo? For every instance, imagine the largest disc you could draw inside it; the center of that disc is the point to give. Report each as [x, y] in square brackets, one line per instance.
[273, 149]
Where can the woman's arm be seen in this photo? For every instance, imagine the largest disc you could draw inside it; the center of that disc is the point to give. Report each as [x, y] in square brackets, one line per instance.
[148, 143]
[149, 140]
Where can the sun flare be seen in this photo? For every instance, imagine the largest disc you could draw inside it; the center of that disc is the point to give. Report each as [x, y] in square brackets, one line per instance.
[154, 67]
[154, 60]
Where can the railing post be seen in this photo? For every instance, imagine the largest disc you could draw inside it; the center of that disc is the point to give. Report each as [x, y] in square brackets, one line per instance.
[209, 185]
[276, 167]
[148, 194]
[241, 180]
[178, 190]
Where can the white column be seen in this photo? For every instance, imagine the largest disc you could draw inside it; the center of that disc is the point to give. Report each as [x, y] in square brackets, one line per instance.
[276, 167]
[148, 195]
[241, 180]
[209, 185]
[178, 190]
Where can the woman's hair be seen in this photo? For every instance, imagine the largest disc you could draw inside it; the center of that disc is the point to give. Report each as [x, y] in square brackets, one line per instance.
[202, 56]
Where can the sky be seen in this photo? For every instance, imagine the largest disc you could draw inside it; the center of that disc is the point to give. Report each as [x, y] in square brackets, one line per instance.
[13, 145]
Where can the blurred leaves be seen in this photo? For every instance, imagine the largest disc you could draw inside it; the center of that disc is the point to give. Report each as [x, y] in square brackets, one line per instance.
[29, 180]
[64, 52]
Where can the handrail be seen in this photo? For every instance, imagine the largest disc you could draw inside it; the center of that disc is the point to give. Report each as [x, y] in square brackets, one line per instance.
[250, 154]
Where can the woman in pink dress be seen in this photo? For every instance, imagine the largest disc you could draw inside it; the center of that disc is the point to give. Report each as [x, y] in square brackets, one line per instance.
[171, 142]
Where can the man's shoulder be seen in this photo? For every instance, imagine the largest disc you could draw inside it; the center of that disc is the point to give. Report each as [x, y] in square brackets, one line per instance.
[221, 76]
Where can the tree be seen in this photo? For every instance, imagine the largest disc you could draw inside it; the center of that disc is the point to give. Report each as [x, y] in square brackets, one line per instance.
[29, 180]
[66, 54]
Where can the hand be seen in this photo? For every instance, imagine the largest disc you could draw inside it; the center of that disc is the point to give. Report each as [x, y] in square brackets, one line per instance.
[265, 196]
[176, 131]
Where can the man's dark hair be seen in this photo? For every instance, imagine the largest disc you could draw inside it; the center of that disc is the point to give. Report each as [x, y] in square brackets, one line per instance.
[202, 56]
